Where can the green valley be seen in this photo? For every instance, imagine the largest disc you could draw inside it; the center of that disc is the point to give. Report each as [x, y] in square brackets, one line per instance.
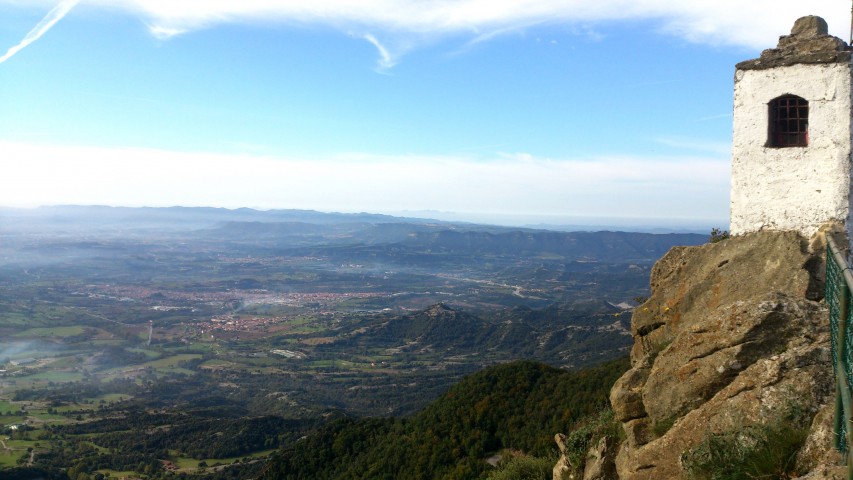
[196, 342]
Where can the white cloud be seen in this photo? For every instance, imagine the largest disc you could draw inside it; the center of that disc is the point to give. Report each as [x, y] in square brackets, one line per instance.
[386, 60]
[163, 33]
[698, 145]
[753, 24]
[42, 27]
[519, 184]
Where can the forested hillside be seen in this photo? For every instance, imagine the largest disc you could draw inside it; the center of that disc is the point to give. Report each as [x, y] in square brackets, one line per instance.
[154, 343]
[517, 406]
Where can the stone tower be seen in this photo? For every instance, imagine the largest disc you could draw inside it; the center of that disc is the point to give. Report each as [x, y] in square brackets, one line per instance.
[791, 145]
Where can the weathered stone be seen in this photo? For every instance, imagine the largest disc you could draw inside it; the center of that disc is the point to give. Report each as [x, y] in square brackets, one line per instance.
[826, 472]
[714, 351]
[626, 396]
[563, 470]
[765, 392]
[688, 283]
[727, 339]
[808, 43]
[637, 432]
[810, 26]
[818, 455]
[600, 461]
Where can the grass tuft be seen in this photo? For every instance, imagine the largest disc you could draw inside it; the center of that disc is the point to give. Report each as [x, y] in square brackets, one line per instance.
[523, 468]
[757, 452]
[588, 433]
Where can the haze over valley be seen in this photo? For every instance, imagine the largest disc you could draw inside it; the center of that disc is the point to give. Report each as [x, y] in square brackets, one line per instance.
[298, 315]
[277, 240]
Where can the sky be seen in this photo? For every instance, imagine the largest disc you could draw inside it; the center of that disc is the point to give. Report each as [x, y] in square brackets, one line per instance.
[505, 111]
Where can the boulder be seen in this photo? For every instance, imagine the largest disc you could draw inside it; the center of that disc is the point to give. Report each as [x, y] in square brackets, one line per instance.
[731, 337]
[600, 461]
[563, 469]
[626, 396]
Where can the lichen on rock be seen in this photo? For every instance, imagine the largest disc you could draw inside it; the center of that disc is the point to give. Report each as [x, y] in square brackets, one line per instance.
[732, 336]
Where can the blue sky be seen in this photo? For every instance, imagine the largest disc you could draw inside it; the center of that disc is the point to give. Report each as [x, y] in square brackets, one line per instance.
[504, 111]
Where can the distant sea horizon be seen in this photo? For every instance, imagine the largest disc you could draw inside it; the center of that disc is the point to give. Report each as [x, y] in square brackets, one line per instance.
[564, 223]
[573, 223]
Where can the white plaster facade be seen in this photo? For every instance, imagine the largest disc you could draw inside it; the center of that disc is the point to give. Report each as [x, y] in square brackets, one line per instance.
[792, 188]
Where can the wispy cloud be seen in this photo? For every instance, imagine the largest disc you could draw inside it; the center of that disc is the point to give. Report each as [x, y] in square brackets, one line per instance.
[696, 145]
[163, 33]
[413, 22]
[731, 22]
[386, 60]
[498, 32]
[714, 117]
[42, 27]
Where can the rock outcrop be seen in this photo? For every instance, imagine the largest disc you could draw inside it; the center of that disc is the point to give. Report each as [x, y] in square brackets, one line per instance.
[734, 335]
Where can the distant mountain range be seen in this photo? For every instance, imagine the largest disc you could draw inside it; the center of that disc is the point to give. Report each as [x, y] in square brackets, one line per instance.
[182, 218]
[177, 218]
[344, 236]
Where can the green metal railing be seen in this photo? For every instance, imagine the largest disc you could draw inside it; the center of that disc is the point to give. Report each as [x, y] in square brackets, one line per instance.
[839, 281]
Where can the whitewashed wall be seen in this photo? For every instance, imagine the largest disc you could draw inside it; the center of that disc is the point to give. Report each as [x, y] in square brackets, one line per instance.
[793, 188]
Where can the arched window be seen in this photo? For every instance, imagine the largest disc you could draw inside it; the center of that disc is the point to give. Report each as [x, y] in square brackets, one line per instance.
[789, 122]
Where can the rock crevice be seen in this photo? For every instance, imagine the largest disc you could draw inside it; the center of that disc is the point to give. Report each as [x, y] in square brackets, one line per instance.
[734, 335]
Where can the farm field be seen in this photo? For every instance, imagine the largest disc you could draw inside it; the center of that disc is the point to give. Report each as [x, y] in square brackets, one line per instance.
[157, 353]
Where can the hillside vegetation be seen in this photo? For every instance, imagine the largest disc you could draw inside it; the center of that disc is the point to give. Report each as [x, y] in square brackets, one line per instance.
[516, 406]
[155, 343]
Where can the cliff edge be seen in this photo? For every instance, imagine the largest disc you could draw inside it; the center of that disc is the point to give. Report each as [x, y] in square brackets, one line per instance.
[733, 340]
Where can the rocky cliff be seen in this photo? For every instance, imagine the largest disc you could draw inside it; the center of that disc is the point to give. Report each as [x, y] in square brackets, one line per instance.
[732, 344]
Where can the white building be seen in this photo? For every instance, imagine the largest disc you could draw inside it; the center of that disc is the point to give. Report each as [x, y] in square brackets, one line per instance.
[791, 145]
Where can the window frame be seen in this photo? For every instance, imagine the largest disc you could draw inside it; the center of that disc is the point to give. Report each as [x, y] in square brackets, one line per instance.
[788, 122]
